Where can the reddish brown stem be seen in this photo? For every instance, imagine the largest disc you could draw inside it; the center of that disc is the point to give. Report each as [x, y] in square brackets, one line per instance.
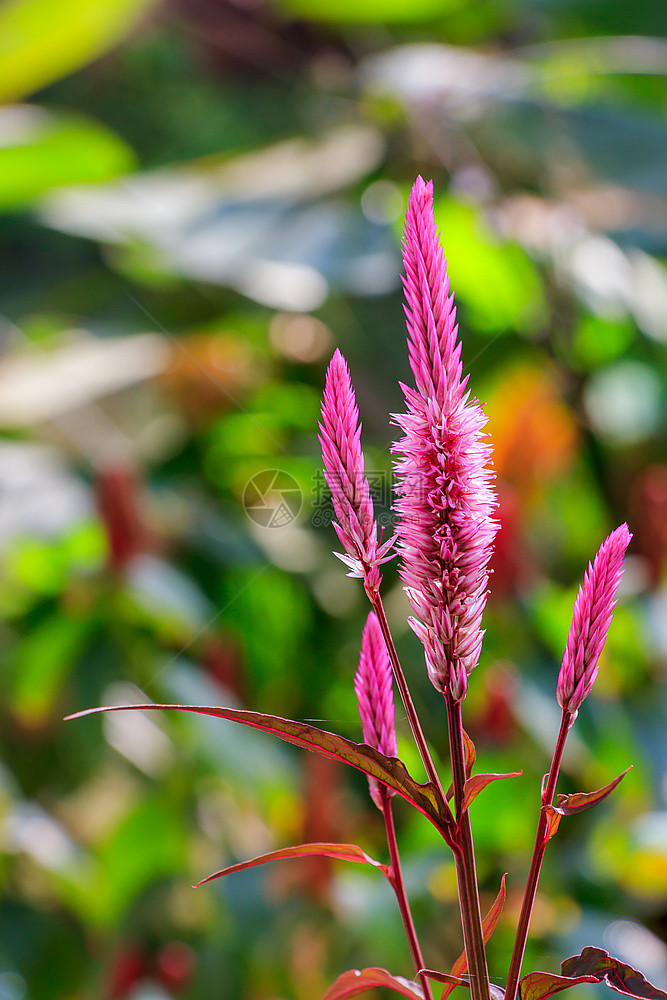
[410, 710]
[396, 879]
[536, 862]
[471, 914]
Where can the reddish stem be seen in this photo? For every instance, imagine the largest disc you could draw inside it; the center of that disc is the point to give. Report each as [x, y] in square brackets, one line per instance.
[536, 862]
[396, 878]
[471, 914]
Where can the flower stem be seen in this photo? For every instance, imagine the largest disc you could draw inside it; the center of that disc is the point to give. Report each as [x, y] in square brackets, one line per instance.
[536, 860]
[471, 914]
[410, 710]
[396, 879]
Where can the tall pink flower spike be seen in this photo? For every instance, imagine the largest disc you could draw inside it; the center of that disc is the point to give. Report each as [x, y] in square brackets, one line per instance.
[593, 612]
[340, 433]
[373, 688]
[444, 501]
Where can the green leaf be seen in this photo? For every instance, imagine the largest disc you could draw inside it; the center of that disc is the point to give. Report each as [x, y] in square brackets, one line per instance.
[41, 41]
[600, 965]
[356, 981]
[539, 985]
[488, 926]
[477, 782]
[578, 802]
[369, 12]
[43, 661]
[388, 770]
[43, 152]
[340, 852]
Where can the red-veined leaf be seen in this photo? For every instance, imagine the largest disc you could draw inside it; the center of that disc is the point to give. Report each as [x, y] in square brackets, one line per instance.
[553, 822]
[539, 985]
[477, 782]
[488, 927]
[495, 992]
[616, 974]
[578, 802]
[389, 771]
[356, 981]
[342, 852]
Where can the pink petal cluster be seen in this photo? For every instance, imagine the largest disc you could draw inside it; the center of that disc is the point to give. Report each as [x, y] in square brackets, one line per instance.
[340, 434]
[593, 612]
[444, 501]
[373, 688]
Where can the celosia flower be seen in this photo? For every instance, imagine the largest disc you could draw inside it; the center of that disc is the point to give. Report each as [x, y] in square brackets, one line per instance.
[373, 688]
[444, 498]
[593, 612]
[340, 433]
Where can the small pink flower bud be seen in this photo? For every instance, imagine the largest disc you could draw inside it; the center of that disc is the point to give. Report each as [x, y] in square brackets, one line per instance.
[373, 688]
[592, 617]
[340, 433]
[444, 501]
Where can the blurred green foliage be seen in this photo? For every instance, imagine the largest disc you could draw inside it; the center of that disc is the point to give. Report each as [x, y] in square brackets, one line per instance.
[200, 200]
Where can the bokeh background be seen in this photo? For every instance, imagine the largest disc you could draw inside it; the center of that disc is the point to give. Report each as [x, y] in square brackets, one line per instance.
[200, 200]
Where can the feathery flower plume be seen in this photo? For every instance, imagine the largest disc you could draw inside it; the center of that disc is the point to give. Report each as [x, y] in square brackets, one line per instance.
[340, 433]
[373, 688]
[593, 612]
[444, 498]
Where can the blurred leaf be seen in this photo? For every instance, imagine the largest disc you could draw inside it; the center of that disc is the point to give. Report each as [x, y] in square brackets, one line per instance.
[41, 151]
[577, 802]
[340, 852]
[370, 12]
[43, 660]
[496, 279]
[597, 340]
[41, 41]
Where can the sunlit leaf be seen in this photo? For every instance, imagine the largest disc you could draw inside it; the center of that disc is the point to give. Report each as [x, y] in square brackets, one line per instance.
[44, 659]
[578, 802]
[341, 852]
[539, 985]
[620, 977]
[356, 981]
[41, 151]
[488, 927]
[553, 822]
[388, 770]
[470, 754]
[41, 41]
[474, 785]
[369, 12]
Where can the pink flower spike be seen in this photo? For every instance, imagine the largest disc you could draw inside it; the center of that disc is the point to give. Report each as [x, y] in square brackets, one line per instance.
[373, 688]
[445, 502]
[593, 612]
[340, 433]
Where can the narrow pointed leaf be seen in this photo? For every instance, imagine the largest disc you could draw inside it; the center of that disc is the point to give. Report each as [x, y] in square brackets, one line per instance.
[469, 752]
[578, 802]
[620, 977]
[488, 926]
[477, 782]
[388, 770]
[445, 977]
[539, 985]
[342, 852]
[553, 822]
[357, 981]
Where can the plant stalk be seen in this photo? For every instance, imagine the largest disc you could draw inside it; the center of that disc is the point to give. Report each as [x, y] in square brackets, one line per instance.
[471, 914]
[410, 710]
[396, 879]
[536, 863]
